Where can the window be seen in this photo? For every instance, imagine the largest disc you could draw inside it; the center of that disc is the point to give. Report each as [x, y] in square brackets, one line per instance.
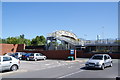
[7, 58]
[41, 55]
[108, 57]
[31, 54]
[105, 57]
[98, 57]
[37, 54]
[16, 54]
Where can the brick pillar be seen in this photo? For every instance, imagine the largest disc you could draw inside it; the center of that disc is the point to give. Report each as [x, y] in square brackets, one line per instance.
[75, 54]
[15, 48]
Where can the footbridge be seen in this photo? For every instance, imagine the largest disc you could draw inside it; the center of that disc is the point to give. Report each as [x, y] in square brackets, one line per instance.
[65, 36]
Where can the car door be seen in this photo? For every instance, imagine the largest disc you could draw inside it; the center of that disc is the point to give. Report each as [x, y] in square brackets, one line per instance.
[42, 57]
[106, 60]
[6, 63]
[16, 55]
[38, 56]
[109, 60]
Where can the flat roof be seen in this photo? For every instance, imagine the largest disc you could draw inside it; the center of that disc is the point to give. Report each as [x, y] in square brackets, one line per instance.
[102, 44]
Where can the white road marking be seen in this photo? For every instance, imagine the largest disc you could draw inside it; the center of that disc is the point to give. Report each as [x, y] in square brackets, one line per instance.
[71, 74]
[70, 66]
[23, 70]
[47, 64]
[53, 66]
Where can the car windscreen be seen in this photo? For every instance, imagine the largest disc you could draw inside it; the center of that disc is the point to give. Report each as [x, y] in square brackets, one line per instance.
[16, 54]
[31, 54]
[98, 57]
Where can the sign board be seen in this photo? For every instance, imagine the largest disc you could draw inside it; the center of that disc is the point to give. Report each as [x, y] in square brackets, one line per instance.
[72, 51]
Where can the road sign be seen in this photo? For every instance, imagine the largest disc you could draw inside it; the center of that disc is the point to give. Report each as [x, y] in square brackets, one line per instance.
[72, 51]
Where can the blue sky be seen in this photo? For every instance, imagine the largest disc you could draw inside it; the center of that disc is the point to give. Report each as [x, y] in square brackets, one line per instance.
[85, 19]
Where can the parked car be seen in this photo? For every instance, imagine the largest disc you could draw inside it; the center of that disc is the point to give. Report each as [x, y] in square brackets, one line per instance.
[99, 61]
[25, 56]
[36, 56]
[18, 55]
[9, 63]
[8, 54]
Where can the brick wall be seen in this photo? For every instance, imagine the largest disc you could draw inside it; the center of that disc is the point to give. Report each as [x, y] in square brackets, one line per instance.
[82, 54]
[20, 47]
[51, 54]
[11, 48]
[7, 48]
[55, 54]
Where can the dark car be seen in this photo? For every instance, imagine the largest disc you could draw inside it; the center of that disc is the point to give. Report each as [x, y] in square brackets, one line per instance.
[25, 56]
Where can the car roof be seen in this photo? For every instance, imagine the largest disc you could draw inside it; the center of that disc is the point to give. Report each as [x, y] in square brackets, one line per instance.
[101, 54]
[4, 56]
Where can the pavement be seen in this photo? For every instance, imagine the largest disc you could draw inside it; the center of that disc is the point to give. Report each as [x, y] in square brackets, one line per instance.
[61, 69]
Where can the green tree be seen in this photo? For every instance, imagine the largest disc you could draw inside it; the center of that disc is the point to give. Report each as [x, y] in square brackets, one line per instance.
[27, 42]
[39, 40]
[22, 40]
[4, 41]
[12, 40]
[43, 40]
[0, 40]
[22, 36]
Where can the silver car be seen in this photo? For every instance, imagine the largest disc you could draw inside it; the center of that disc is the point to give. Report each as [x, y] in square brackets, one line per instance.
[99, 61]
[9, 63]
[36, 56]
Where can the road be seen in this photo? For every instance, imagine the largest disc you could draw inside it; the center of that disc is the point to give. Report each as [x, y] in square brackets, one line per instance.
[69, 70]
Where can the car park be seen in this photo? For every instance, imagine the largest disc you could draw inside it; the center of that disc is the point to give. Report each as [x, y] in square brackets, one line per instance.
[9, 63]
[36, 56]
[99, 61]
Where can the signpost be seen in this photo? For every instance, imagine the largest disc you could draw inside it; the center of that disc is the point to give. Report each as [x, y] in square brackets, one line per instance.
[72, 51]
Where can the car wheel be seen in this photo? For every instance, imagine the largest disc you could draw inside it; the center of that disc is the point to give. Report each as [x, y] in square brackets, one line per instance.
[44, 58]
[27, 59]
[111, 64]
[103, 67]
[20, 58]
[35, 59]
[14, 68]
